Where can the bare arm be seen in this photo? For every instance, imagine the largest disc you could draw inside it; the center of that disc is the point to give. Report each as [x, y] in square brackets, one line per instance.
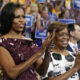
[79, 73]
[13, 70]
[43, 66]
[38, 24]
[9, 65]
[61, 4]
[66, 75]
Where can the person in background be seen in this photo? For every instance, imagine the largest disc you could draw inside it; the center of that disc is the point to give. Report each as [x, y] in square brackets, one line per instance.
[66, 14]
[52, 16]
[58, 7]
[4, 2]
[78, 18]
[59, 63]
[18, 54]
[42, 24]
[34, 13]
[74, 37]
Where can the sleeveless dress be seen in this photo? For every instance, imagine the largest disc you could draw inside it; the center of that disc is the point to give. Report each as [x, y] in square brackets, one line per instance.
[59, 64]
[20, 50]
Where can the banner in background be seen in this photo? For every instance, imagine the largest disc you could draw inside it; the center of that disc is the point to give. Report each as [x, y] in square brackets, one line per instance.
[41, 1]
[41, 34]
[68, 4]
[28, 20]
[67, 21]
[52, 17]
[76, 4]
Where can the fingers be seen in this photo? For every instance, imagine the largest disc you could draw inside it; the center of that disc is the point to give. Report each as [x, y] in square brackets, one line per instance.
[78, 56]
[53, 34]
[77, 51]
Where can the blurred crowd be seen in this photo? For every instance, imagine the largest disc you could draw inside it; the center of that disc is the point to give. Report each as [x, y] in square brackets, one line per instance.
[43, 48]
[45, 13]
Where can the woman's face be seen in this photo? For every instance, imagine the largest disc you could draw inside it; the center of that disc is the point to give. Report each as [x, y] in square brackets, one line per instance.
[45, 14]
[33, 8]
[19, 20]
[67, 14]
[61, 38]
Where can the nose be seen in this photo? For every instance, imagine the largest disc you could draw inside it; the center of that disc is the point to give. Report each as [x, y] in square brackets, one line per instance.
[21, 19]
[66, 36]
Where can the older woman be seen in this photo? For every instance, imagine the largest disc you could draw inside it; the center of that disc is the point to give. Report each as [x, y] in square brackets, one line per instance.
[58, 63]
[17, 53]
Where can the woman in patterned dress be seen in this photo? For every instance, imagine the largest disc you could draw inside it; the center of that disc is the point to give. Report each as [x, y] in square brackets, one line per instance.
[58, 63]
[17, 53]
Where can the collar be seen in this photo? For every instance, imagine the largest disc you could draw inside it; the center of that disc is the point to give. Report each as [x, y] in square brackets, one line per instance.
[73, 46]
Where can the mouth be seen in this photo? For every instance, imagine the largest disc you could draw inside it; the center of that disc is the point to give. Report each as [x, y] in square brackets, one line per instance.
[21, 25]
[65, 41]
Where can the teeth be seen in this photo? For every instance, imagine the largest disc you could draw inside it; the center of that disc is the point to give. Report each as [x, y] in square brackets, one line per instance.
[21, 25]
[65, 41]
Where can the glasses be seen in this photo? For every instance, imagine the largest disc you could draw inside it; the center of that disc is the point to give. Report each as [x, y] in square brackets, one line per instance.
[62, 34]
[20, 16]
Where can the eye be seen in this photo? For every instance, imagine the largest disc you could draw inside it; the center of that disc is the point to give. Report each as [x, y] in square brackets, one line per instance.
[20, 16]
[60, 34]
[23, 16]
[17, 17]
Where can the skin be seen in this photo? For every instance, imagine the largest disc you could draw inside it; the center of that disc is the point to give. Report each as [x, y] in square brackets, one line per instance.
[45, 17]
[75, 36]
[18, 22]
[6, 60]
[76, 33]
[61, 41]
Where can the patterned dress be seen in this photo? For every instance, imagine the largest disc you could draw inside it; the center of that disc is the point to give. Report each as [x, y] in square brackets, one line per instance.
[20, 50]
[59, 64]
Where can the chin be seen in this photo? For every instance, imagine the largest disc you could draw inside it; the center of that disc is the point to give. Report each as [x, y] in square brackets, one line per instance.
[64, 46]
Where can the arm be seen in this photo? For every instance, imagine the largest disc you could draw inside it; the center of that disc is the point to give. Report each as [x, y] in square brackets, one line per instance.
[38, 76]
[38, 24]
[3, 4]
[79, 73]
[61, 4]
[13, 70]
[42, 69]
[44, 63]
[9, 65]
[66, 75]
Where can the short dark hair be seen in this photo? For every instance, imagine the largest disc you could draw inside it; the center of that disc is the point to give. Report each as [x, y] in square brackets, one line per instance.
[7, 16]
[71, 27]
[59, 26]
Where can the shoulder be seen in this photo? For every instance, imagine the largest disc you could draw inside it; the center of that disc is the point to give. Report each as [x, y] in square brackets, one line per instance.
[27, 39]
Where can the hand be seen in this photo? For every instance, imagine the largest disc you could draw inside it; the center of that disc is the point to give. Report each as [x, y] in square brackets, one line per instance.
[77, 51]
[47, 23]
[77, 61]
[38, 76]
[47, 42]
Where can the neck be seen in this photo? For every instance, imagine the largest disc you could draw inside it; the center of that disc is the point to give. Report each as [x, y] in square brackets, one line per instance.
[57, 49]
[13, 34]
[45, 19]
[74, 41]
